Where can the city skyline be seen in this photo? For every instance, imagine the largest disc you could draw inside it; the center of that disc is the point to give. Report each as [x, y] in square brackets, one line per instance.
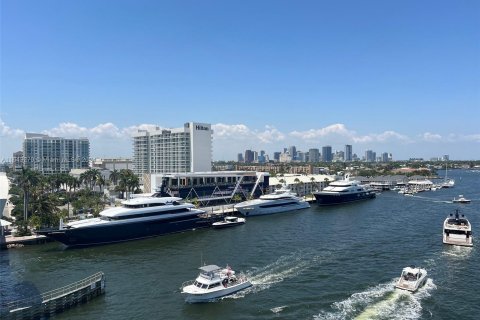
[402, 78]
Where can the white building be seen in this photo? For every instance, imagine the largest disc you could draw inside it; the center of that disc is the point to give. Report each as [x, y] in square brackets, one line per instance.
[51, 155]
[187, 149]
[302, 185]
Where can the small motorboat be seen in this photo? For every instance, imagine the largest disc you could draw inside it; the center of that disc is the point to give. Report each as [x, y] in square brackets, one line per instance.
[212, 283]
[461, 199]
[229, 221]
[412, 279]
[457, 230]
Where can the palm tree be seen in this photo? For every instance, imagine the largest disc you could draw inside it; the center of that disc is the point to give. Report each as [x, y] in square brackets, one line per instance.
[27, 180]
[114, 176]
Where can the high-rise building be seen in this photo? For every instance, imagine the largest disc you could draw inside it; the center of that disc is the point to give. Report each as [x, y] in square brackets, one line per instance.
[187, 149]
[51, 155]
[276, 156]
[240, 157]
[17, 162]
[249, 156]
[292, 150]
[348, 153]
[314, 155]
[385, 157]
[327, 155]
[370, 156]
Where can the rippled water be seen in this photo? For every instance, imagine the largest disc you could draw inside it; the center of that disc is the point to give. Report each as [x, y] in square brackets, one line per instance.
[320, 263]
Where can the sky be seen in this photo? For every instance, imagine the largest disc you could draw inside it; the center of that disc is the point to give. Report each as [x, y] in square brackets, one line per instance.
[399, 76]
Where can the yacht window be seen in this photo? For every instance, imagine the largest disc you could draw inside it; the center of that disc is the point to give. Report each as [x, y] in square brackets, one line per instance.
[214, 285]
[204, 286]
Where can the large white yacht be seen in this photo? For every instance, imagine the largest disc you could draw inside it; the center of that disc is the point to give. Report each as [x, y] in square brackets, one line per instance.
[457, 230]
[280, 200]
[343, 191]
[212, 283]
[137, 218]
[411, 279]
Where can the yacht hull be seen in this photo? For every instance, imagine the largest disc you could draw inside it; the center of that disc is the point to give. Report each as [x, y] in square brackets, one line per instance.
[258, 210]
[211, 296]
[119, 232]
[326, 199]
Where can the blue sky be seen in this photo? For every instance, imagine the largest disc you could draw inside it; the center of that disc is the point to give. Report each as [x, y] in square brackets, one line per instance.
[391, 76]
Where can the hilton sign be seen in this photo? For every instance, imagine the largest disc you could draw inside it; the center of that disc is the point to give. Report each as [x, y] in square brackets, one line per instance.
[199, 127]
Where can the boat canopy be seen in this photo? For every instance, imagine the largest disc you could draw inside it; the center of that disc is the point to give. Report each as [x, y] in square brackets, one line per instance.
[209, 268]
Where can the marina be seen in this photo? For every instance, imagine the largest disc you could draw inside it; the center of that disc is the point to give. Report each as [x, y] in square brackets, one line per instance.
[332, 262]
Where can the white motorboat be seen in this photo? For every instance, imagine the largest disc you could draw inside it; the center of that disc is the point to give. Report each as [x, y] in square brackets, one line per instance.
[457, 230]
[212, 283]
[229, 221]
[411, 279]
[280, 200]
[461, 199]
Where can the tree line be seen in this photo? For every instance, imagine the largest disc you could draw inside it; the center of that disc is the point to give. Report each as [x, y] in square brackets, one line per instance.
[41, 200]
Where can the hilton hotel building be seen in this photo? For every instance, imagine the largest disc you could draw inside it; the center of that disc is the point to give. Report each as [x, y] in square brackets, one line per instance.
[187, 149]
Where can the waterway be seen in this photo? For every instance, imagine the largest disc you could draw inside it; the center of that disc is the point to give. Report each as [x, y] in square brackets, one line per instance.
[320, 263]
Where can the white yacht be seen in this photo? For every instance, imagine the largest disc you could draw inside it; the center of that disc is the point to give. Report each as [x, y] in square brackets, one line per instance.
[461, 199]
[212, 283]
[280, 200]
[344, 191]
[411, 279]
[137, 218]
[228, 221]
[457, 230]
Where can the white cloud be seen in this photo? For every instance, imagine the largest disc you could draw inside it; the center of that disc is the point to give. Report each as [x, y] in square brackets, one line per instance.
[68, 130]
[238, 131]
[129, 131]
[314, 134]
[341, 131]
[223, 131]
[6, 131]
[431, 137]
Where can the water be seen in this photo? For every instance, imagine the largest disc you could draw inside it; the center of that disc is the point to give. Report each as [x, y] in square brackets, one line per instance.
[320, 263]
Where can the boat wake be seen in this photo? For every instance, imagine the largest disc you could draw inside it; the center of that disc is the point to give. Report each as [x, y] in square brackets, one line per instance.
[285, 267]
[380, 302]
[278, 309]
[457, 252]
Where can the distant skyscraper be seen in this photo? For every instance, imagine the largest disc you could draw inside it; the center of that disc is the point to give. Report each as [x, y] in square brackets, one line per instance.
[51, 155]
[249, 156]
[276, 156]
[327, 154]
[314, 155]
[348, 153]
[240, 157]
[370, 156]
[301, 156]
[292, 150]
[385, 157]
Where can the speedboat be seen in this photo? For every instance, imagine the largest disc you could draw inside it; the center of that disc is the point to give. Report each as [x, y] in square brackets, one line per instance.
[411, 279]
[461, 199]
[280, 200]
[344, 191]
[457, 230]
[212, 283]
[137, 218]
[229, 221]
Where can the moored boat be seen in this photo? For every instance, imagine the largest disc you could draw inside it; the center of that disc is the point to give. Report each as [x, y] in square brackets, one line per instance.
[281, 200]
[229, 221]
[411, 279]
[212, 283]
[344, 191]
[137, 218]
